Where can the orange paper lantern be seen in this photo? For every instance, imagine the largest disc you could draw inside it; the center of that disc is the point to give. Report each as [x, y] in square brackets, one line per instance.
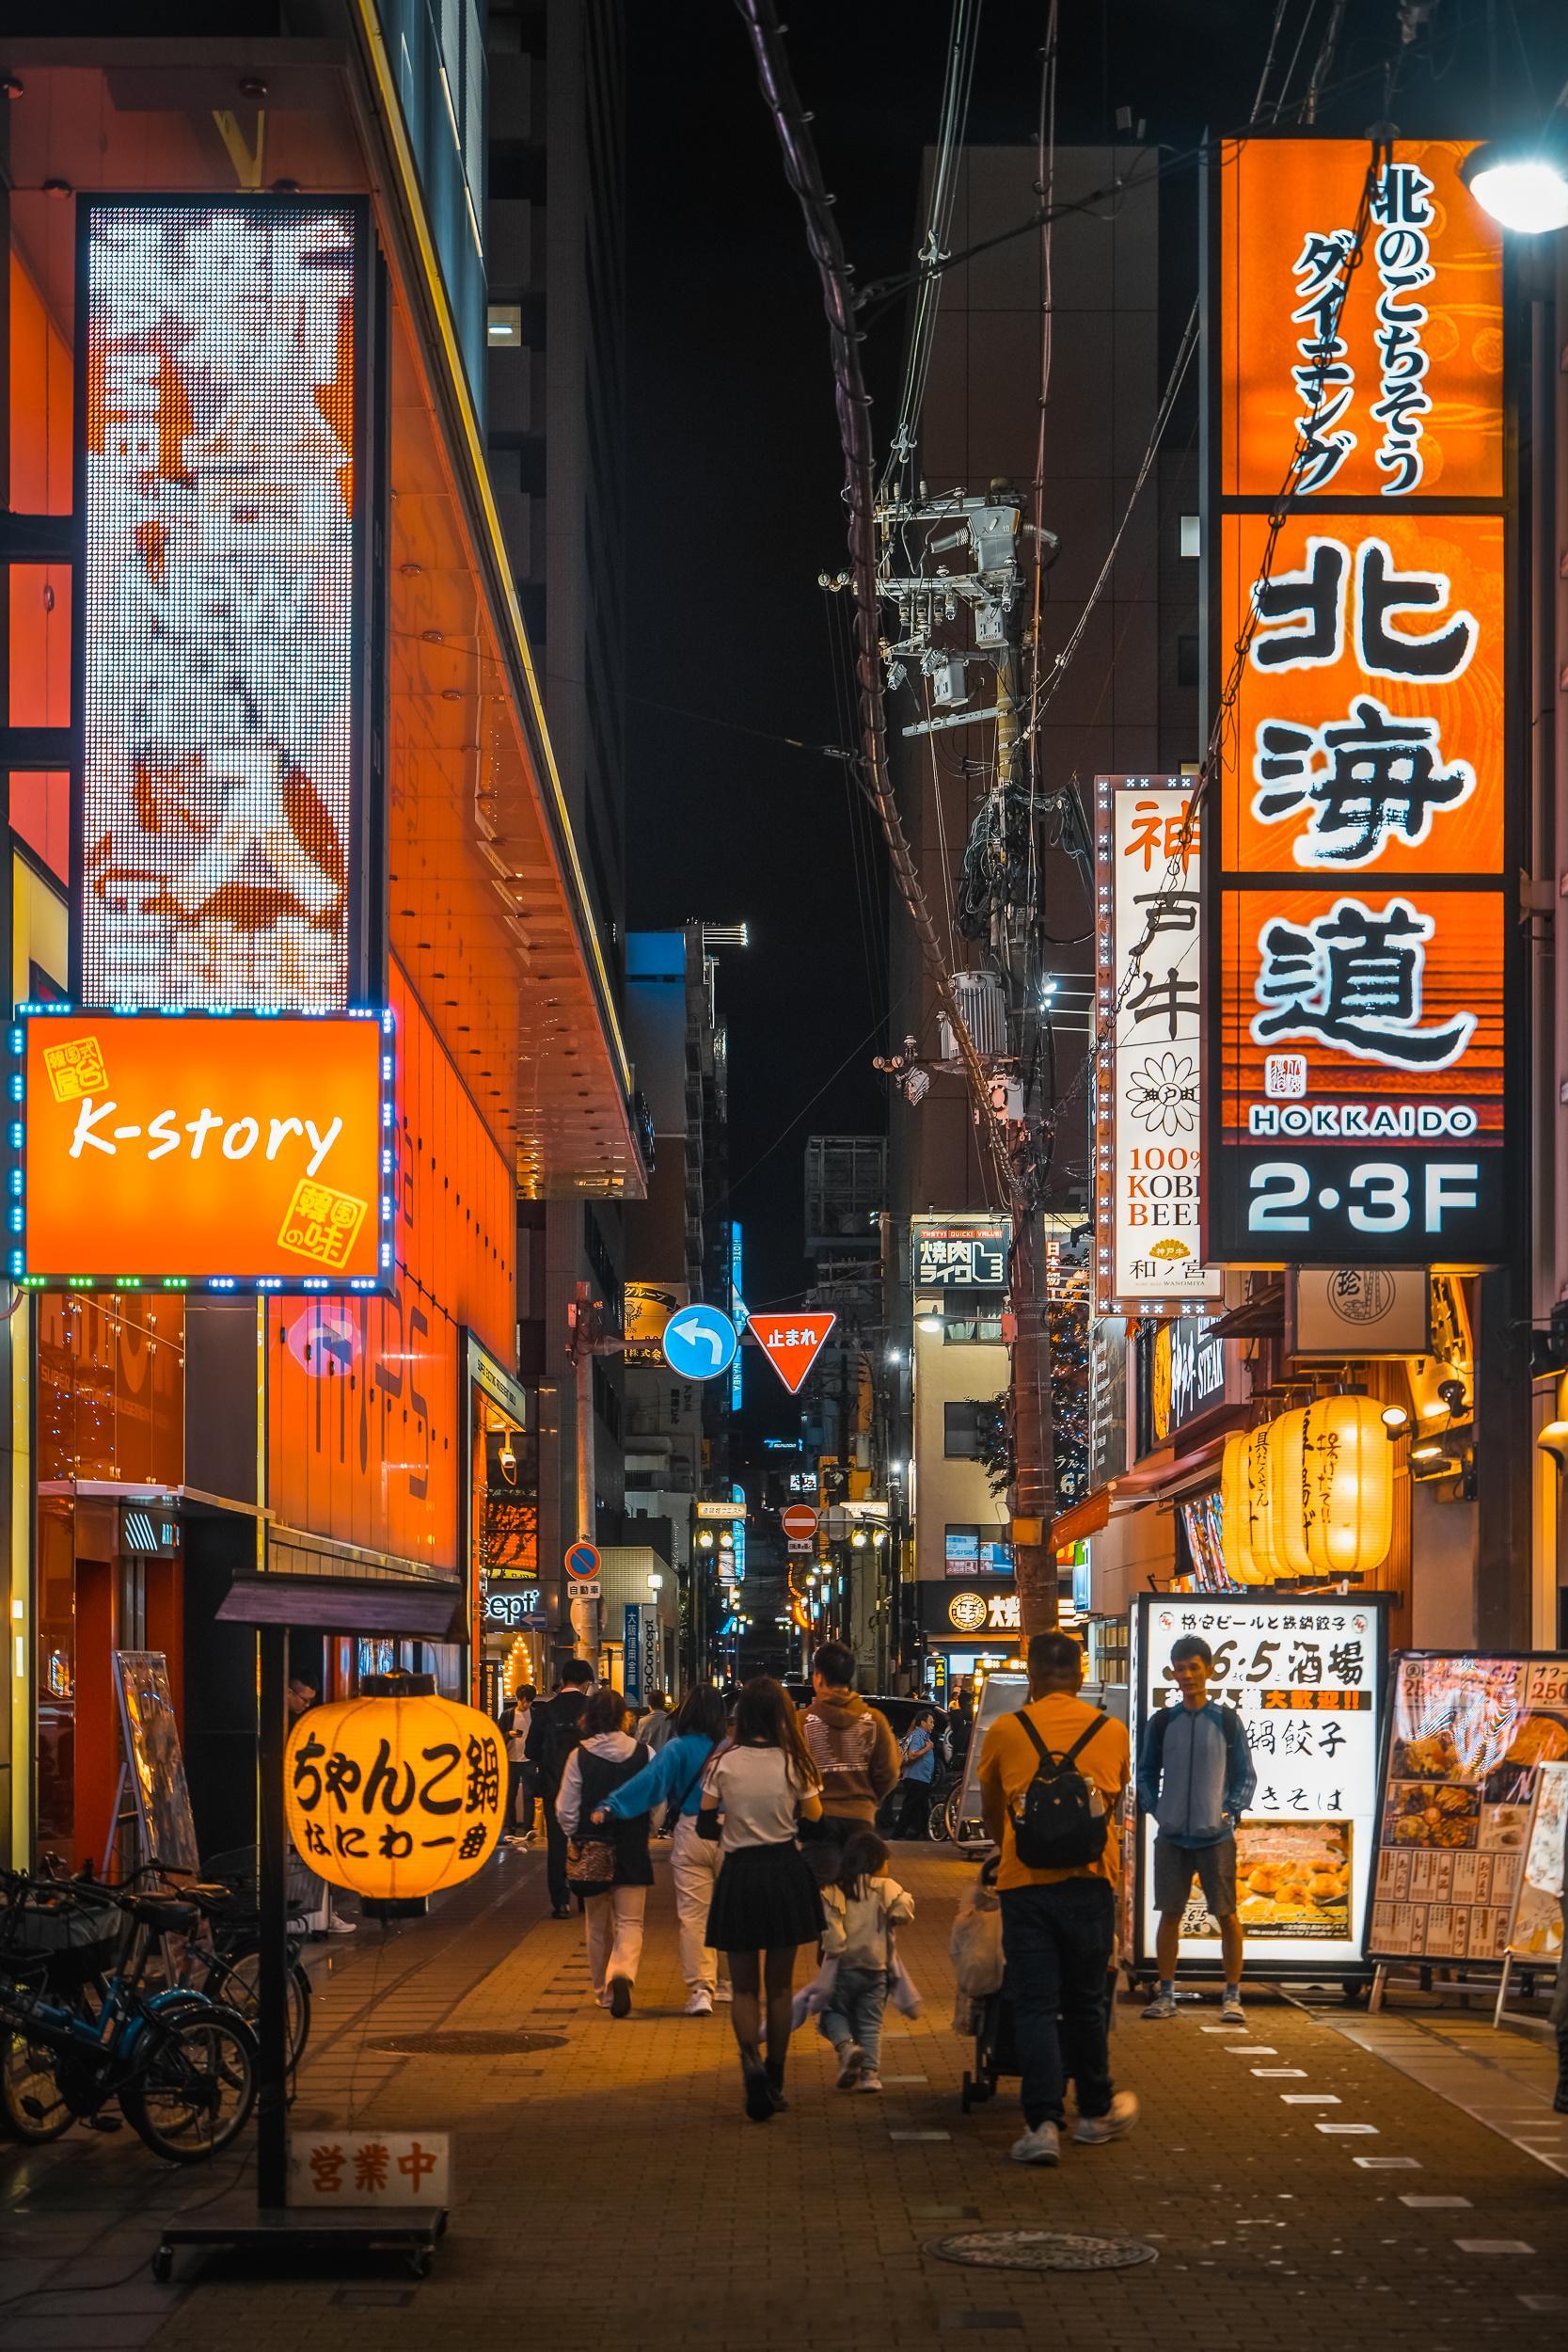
[1239, 1512]
[1333, 1489]
[396, 1793]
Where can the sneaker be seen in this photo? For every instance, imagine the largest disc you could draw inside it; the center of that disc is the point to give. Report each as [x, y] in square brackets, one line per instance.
[1232, 2012]
[701, 2003]
[342, 1927]
[870, 2080]
[723, 1993]
[1043, 2145]
[620, 1996]
[1162, 2005]
[561, 1911]
[1117, 2120]
[851, 2061]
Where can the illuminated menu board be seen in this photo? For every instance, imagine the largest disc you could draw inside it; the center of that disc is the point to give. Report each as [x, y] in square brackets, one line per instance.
[221, 492]
[1366, 943]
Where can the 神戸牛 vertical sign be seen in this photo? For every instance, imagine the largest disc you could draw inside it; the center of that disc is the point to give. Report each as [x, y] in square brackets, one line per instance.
[222, 627]
[1360, 810]
[1148, 1066]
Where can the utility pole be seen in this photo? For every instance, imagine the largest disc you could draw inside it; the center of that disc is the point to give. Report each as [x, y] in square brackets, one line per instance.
[992, 528]
[587, 1338]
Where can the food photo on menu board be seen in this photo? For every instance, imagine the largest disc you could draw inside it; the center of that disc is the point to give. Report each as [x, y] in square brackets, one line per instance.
[1536, 1929]
[1306, 1675]
[1468, 1738]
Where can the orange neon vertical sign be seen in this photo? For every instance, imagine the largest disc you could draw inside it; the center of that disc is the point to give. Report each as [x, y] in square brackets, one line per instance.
[1363, 790]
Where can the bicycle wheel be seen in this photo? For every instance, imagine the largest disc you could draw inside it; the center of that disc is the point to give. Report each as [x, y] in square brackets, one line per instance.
[936, 1819]
[33, 2108]
[234, 1983]
[196, 2086]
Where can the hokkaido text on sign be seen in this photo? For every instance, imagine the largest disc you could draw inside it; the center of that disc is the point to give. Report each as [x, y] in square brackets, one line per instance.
[1149, 1069]
[230, 1151]
[223, 397]
[1365, 938]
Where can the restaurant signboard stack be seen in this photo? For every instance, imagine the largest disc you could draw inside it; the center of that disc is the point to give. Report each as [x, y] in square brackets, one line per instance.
[1361, 830]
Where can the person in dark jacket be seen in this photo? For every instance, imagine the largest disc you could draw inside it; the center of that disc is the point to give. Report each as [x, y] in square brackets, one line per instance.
[1195, 1776]
[553, 1733]
[605, 1758]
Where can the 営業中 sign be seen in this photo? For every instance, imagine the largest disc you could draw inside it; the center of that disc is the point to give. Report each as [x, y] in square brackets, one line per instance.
[1307, 1678]
[1361, 821]
[1148, 1062]
[220, 1151]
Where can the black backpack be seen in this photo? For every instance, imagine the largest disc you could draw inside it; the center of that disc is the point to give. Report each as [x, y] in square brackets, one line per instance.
[563, 1733]
[1061, 1822]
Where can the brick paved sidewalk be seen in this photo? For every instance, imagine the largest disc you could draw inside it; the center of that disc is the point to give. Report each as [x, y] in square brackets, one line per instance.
[610, 2190]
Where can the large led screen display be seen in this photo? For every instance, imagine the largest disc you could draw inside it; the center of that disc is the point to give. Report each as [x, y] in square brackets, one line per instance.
[221, 509]
[221, 1152]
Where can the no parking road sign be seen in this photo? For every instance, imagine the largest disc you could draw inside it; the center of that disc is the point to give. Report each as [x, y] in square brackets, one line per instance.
[582, 1566]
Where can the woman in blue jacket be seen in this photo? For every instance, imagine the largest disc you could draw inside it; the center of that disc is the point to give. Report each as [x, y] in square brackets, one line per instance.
[676, 1777]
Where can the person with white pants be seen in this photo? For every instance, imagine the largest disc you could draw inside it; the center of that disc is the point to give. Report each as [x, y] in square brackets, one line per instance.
[676, 1777]
[604, 1759]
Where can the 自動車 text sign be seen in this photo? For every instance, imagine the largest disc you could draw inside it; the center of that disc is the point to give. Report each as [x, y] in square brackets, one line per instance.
[238, 1151]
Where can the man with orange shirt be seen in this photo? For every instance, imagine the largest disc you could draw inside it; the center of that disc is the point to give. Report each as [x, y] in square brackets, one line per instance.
[1059, 1926]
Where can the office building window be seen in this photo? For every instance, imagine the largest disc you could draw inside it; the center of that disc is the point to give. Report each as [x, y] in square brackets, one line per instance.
[977, 1551]
[962, 1430]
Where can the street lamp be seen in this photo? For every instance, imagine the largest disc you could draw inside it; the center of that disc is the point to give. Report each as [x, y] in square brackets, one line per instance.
[705, 1538]
[1521, 180]
[859, 1539]
[655, 1581]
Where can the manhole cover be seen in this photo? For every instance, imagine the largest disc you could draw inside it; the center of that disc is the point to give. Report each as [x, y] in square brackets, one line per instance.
[1040, 2250]
[469, 2044]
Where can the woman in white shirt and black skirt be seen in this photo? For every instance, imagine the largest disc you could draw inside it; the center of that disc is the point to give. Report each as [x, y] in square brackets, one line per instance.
[766, 1904]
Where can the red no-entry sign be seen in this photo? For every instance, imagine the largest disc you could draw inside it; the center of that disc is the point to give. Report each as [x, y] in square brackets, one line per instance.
[798, 1522]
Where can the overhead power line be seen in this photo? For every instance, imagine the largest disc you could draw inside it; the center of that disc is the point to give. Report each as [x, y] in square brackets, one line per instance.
[803, 172]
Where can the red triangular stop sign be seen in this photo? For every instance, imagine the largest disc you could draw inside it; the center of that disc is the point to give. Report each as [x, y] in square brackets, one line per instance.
[791, 1343]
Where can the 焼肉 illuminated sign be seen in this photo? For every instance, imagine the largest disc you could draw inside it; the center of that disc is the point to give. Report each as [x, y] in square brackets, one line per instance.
[221, 491]
[227, 1151]
[1148, 1066]
[1362, 822]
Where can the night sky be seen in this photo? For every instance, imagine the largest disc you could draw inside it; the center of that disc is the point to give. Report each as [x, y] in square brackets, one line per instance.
[736, 473]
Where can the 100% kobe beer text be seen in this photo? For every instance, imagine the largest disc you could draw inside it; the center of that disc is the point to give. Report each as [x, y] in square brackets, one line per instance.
[1378, 1195]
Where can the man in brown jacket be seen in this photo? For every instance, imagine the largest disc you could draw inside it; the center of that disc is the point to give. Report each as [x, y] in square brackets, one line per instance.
[854, 1749]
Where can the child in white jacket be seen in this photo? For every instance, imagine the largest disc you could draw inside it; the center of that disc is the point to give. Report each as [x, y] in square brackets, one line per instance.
[861, 1907]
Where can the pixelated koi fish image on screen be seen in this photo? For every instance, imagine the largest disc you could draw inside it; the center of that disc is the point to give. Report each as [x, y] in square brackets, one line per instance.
[220, 504]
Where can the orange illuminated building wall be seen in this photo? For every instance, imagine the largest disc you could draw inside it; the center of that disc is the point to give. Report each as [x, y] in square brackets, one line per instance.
[367, 1419]
[111, 1399]
[39, 594]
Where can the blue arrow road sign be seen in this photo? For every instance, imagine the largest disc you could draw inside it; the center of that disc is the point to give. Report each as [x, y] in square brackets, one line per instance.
[699, 1342]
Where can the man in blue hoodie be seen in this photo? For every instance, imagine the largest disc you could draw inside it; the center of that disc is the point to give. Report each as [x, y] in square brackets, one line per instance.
[1195, 1776]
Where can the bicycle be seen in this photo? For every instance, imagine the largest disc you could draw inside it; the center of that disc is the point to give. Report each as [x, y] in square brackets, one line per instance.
[80, 2029]
[223, 1959]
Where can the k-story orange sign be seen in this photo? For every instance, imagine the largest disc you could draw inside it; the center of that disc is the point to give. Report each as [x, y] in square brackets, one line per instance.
[229, 1151]
[1361, 551]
